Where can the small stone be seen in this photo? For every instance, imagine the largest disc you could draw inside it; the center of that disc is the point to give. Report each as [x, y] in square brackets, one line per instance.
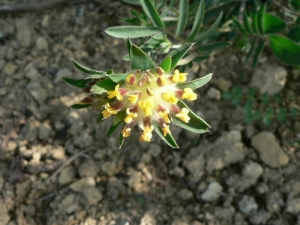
[177, 172]
[65, 72]
[10, 69]
[252, 171]
[195, 163]
[274, 201]
[185, 194]
[92, 194]
[72, 208]
[84, 182]
[269, 79]
[30, 130]
[148, 219]
[24, 33]
[58, 152]
[135, 181]
[89, 168]
[212, 192]
[45, 21]
[260, 217]
[66, 176]
[4, 216]
[32, 73]
[293, 206]
[247, 205]
[269, 151]
[214, 93]
[109, 168]
[154, 150]
[223, 84]
[45, 131]
[41, 43]
[37, 91]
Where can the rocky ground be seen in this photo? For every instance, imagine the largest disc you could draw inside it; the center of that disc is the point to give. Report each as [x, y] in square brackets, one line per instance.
[56, 167]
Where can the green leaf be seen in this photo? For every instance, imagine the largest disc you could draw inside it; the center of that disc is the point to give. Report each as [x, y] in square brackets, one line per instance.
[200, 58]
[86, 69]
[206, 34]
[272, 24]
[151, 12]
[168, 138]
[135, 2]
[112, 128]
[118, 77]
[96, 76]
[258, 51]
[100, 117]
[80, 83]
[129, 44]
[80, 106]
[294, 113]
[253, 45]
[267, 119]
[238, 24]
[213, 46]
[166, 64]
[121, 140]
[285, 50]
[103, 86]
[177, 54]
[139, 59]
[254, 18]
[195, 124]
[227, 95]
[131, 31]
[247, 23]
[197, 21]
[183, 16]
[282, 114]
[260, 18]
[195, 83]
[294, 33]
[119, 117]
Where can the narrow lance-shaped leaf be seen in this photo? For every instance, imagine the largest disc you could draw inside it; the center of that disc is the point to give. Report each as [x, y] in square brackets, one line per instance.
[206, 34]
[213, 46]
[197, 22]
[285, 50]
[119, 117]
[238, 24]
[118, 77]
[260, 18]
[253, 45]
[166, 64]
[177, 54]
[247, 23]
[254, 18]
[80, 83]
[139, 59]
[129, 44]
[183, 16]
[195, 83]
[195, 124]
[258, 51]
[151, 12]
[80, 106]
[131, 31]
[86, 69]
[168, 138]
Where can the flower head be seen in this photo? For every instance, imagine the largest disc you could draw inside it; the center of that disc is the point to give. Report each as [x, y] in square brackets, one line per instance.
[149, 96]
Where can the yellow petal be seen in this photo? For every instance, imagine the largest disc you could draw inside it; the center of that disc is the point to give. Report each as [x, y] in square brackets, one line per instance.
[133, 98]
[147, 134]
[147, 105]
[166, 130]
[110, 109]
[130, 116]
[115, 93]
[169, 96]
[179, 77]
[126, 132]
[183, 115]
[106, 114]
[165, 116]
[189, 94]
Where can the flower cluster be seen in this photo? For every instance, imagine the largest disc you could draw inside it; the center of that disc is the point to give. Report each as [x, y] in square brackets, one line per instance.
[150, 96]
[147, 96]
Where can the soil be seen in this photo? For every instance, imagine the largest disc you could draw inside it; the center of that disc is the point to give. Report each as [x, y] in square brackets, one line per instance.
[57, 167]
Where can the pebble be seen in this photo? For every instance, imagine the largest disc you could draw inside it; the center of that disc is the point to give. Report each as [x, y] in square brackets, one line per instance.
[30, 130]
[293, 206]
[66, 176]
[45, 131]
[10, 69]
[214, 93]
[41, 43]
[84, 182]
[154, 150]
[89, 168]
[4, 216]
[148, 219]
[32, 73]
[252, 171]
[269, 150]
[92, 194]
[58, 152]
[269, 78]
[185, 194]
[65, 72]
[109, 168]
[247, 205]
[260, 217]
[195, 162]
[135, 181]
[274, 202]
[37, 91]
[24, 33]
[213, 192]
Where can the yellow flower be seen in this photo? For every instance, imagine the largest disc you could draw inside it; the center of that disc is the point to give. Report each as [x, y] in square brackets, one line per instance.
[183, 115]
[166, 130]
[147, 105]
[126, 132]
[115, 93]
[110, 109]
[169, 96]
[161, 81]
[130, 116]
[189, 94]
[165, 116]
[179, 77]
[133, 98]
[106, 114]
[147, 134]
[130, 79]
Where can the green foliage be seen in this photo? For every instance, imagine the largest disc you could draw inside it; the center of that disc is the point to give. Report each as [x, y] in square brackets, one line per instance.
[261, 106]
